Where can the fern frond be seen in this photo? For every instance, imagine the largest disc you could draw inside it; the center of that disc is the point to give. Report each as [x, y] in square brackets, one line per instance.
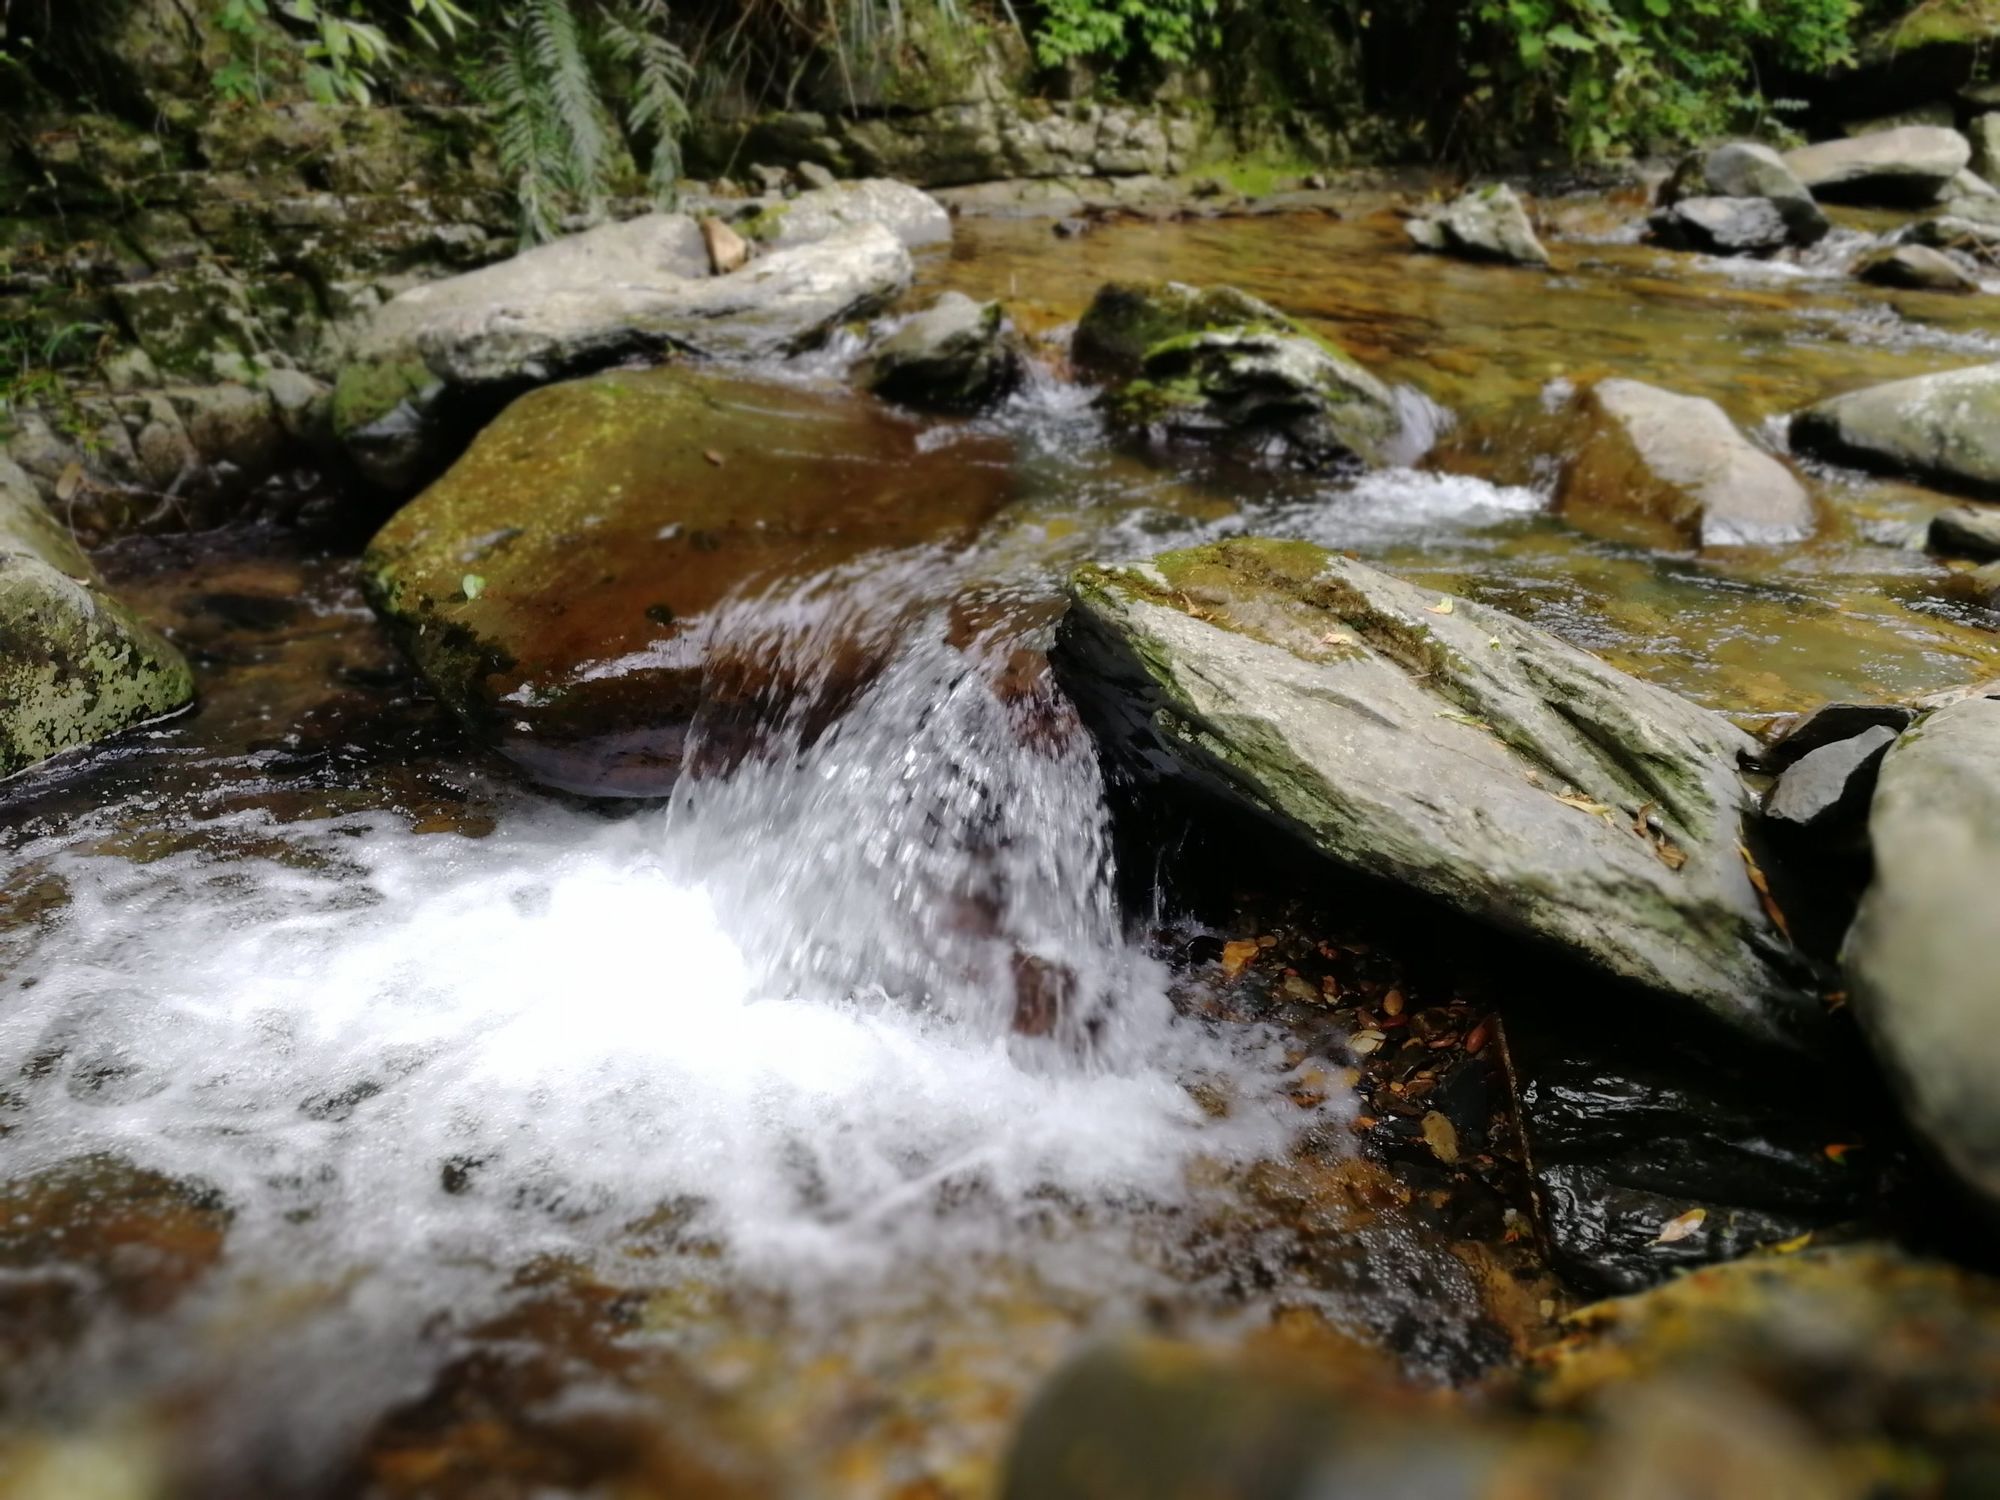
[557, 46]
[659, 111]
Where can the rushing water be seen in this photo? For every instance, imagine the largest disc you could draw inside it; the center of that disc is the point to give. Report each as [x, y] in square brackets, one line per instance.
[408, 1035]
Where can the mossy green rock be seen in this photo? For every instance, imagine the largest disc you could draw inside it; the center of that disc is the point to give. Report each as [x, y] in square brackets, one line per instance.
[1944, 428]
[76, 666]
[1218, 365]
[565, 587]
[1448, 748]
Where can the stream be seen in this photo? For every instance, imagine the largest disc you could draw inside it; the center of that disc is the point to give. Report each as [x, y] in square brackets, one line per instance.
[371, 1117]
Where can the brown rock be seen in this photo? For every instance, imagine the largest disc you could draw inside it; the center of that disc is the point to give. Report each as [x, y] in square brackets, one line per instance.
[727, 250]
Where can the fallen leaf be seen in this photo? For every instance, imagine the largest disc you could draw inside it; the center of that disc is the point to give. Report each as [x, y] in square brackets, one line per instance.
[1442, 1137]
[1338, 638]
[1672, 855]
[1493, 642]
[1365, 1042]
[70, 482]
[713, 457]
[1443, 607]
[1763, 888]
[1793, 1246]
[1679, 1228]
[1585, 804]
[1236, 956]
[472, 586]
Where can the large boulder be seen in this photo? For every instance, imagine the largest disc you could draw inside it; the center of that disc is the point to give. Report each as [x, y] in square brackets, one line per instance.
[1943, 427]
[637, 288]
[1906, 165]
[1968, 531]
[912, 215]
[1745, 169]
[1487, 223]
[1449, 748]
[564, 587]
[1924, 954]
[955, 355]
[1674, 470]
[1219, 365]
[76, 666]
[1721, 226]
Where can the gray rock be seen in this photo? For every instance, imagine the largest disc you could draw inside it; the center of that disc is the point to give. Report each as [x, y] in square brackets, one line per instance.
[1909, 164]
[1916, 268]
[76, 666]
[1744, 169]
[1969, 184]
[1832, 784]
[1218, 364]
[913, 216]
[1984, 133]
[1970, 531]
[1829, 724]
[1487, 223]
[1674, 469]
[634, 288]
[812, 175]
[1449, 748]
[1924, 952]
[955, 355]
[1943, 427]
[1722, 226]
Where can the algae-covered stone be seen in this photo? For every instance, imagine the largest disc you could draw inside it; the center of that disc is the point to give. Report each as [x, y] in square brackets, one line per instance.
[1217, 363]
[382, 418]
[1917, 268]
[562, 586]
[1449, 748]
[1943, 427]
[1674, 469]
[1924, 953]
[76, 666]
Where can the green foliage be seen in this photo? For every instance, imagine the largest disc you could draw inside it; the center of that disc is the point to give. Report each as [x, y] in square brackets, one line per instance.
[551, 74]
[1168, 31]
[336, 52]
[1608, 74]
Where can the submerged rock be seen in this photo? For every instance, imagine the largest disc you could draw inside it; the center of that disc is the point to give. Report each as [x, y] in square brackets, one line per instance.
[1917, 268]
[1943, 427]
[1911, 164]
[76, 666]
[1722, 226]
[1219, 365]
[1674, 469]
[563, 587]
[1487, 223]
[955, 355]
[1744, 169]
[1449, 748]
[1924, 952]
[1966, 532]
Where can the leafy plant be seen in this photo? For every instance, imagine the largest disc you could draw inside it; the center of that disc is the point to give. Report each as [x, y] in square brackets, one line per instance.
[337, 52]
[1169, 31]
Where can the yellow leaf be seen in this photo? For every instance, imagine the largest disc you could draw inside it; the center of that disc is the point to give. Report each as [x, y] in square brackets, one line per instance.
[1442, 1136]
[1584, 804]
[1236, 956]
[1337, 638]
[1679, 1228]
[1443, 607]
[1793, 1246]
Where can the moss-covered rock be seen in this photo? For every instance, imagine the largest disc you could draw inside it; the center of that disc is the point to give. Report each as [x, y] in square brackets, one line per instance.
[562, 587]
[1448, 748]
[955, 355]
[76, 666]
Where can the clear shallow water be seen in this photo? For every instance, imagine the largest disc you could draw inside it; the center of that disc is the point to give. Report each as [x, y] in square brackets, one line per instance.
[754, 1061]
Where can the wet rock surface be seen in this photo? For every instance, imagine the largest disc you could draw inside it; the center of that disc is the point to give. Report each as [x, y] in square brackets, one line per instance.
[1908, 164]
[1829, 724]
[559, 587]
[1924, 949]
[1489, 223]
[1832, 784]
[1740, 170]
[76, 666]
[1970, 531]
[1722, 226]
[1676, 471]
[1916, 268]
[1943, 427]
[955, 355]
[1218, 366]
[1587, 809]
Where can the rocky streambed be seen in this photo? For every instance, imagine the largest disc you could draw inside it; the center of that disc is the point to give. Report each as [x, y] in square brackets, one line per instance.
[1247, 782]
